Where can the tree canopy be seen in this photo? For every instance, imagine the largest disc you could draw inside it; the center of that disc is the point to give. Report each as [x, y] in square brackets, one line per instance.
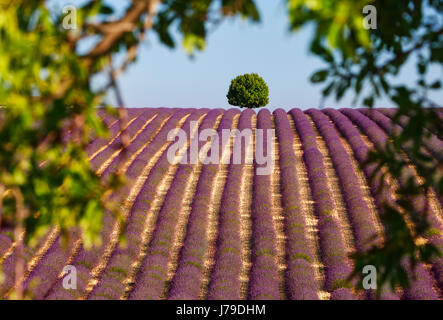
[248, 91]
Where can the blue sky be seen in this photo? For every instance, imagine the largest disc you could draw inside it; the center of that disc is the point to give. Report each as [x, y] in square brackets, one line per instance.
[162, 77]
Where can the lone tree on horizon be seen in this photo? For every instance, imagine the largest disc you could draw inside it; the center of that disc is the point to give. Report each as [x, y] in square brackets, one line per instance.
[248, 91]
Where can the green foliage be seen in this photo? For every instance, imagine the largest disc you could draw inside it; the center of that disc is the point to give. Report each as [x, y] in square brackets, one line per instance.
[194, 18]
[248, 91]
[357, 58]
[45, 182]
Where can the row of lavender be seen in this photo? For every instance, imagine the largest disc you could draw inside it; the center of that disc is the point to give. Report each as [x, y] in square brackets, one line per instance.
[51, 264]
[384, 118]
[420, 202]
[363, 223]
[148, 130]
[54, 259]
[264, 282]
[118, 270]
[300, 278]
[333, 249]
[355, 230]
[150, 281]
[56, 255]
[225, 278]
[87, 260]
[188, 279]
[432, 145]
[422, 285]
[114, 127]
[153, 179]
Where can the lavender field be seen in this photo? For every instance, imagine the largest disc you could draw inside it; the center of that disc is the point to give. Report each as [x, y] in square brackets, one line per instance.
[219, 230]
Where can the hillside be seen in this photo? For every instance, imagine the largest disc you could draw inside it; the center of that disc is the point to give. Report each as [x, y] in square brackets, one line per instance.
[218, 229]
